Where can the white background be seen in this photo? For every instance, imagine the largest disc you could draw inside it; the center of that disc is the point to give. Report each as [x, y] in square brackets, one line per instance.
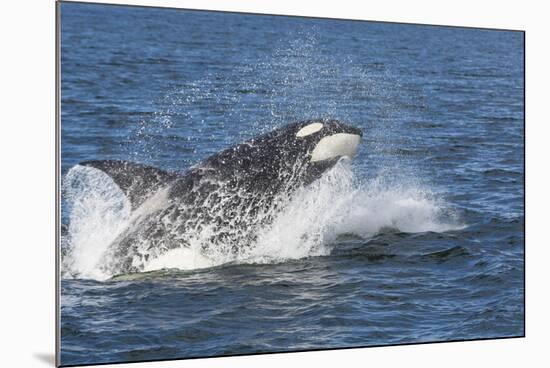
[27, 182]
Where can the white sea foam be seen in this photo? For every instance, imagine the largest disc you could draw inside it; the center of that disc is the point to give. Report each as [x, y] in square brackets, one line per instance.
[337, 204]
[307, 225]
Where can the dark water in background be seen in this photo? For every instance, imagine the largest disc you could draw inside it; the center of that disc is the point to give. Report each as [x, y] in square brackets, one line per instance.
[440, 173]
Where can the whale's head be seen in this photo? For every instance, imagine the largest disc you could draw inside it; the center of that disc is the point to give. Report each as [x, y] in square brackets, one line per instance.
[325, 140]
[319, 144]
[295, 153]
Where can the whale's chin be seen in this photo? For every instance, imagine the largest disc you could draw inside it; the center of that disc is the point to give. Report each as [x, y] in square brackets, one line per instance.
[328, 152]
[335, 146]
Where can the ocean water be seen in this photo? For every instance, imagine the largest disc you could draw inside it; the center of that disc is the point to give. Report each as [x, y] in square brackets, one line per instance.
[419, 239]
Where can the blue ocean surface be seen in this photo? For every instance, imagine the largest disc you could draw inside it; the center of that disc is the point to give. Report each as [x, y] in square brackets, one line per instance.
[419, 239]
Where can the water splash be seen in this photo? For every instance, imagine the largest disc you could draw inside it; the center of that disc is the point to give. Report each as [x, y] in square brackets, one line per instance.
[296, 81]
[338, 204]
[308, 223]
[98, 212]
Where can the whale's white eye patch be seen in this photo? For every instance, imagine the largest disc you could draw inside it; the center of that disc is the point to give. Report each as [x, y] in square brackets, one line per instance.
[309, 129]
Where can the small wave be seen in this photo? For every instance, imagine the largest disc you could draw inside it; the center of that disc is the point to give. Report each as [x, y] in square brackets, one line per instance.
[307, 225]
[447, 254]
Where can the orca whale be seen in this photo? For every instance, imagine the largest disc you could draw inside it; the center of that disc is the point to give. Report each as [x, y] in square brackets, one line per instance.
[227, 196]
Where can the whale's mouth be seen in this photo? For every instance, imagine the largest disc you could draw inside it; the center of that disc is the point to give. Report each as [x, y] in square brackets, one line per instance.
[335, 146]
